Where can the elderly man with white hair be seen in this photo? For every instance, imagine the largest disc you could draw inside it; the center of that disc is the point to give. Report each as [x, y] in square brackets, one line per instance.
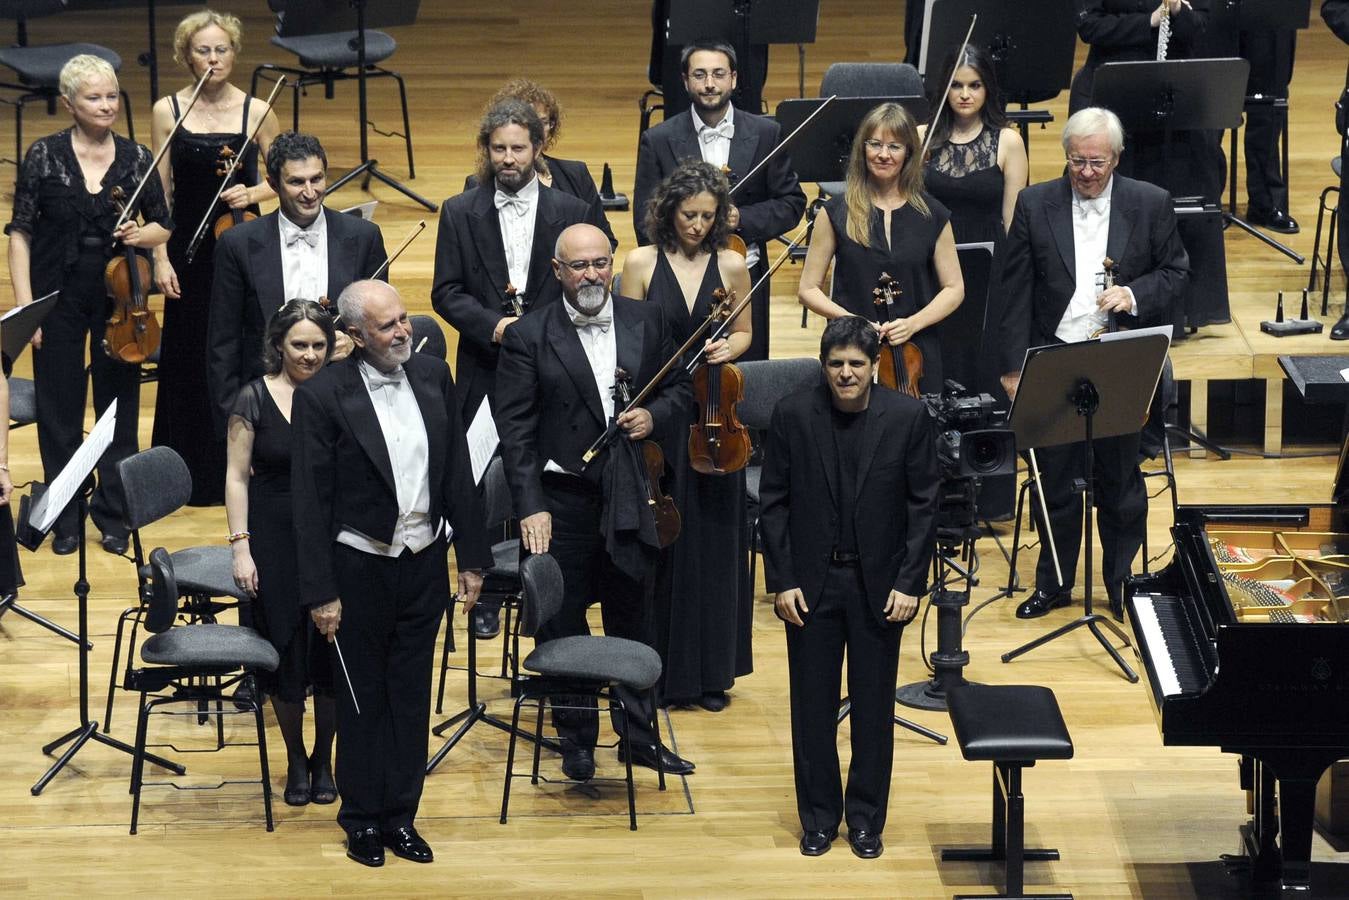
[1062, 231]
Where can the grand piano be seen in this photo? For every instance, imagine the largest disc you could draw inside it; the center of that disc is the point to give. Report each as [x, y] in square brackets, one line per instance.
[1244, 643]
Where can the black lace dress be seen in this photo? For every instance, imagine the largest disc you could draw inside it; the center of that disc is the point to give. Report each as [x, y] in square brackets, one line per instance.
[703, 596]
[183, 405]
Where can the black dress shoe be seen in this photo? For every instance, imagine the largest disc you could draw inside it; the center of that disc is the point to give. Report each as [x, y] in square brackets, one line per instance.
[714, 701]
[1041, 603]
[578, 763]
[1338, 332]
[1117, 609]
[817, 843]
[364, 846]
[64, 546]
[1274, 220]
[669, 761]
[246, 694]
[407, 844]
[865, 844]
[114, 543]
[485, 619]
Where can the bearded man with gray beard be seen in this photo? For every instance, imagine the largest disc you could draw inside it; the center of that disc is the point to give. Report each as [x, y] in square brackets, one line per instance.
[554, 396]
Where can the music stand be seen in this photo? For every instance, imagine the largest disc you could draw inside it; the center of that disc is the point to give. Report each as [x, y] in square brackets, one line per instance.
[1031, 43]
[72, 484]
[1080, 392]
[825, 158]
[306, 17]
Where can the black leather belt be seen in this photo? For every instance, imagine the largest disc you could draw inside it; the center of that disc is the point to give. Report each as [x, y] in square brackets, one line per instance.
[845, 559]
[93, 242]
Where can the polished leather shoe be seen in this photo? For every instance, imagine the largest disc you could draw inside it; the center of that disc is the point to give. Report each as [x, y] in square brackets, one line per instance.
[1274, 220]
[64, 546]
[1338, 332]
[485, 620]
[115, 544]
[246, 695]
[407, 844]
[714, 701]
[364, 846]
[578, 763]
[672, 763]
[817, 843]
[865, 844]
[1041, 603]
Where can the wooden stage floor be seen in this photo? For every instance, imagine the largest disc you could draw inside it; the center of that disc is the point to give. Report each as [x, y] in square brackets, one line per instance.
[1131, 818]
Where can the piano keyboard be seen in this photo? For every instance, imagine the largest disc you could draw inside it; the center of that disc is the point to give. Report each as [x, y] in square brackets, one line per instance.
[1168, 642]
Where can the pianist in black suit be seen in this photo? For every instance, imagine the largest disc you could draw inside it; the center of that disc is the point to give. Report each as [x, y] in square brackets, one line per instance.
[849, 499]
[1062, 230]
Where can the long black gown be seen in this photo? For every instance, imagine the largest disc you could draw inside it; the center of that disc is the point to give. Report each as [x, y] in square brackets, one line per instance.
[183, 404]
[277, 614]
[703, 596]
[908, 260]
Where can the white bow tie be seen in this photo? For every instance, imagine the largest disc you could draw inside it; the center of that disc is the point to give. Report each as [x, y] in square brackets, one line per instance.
[386, 379]
[1096, 205]
[309, 237]
[516, 204]
[723, 129]
[603, 322]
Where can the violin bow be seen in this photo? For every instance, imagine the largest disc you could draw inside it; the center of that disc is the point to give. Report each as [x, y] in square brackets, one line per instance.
[200, 233]
[127, 211]
[412, 236]
[782, 143]
[931, 129]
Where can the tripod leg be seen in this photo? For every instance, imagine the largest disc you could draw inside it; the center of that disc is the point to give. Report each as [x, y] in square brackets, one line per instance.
[81, 736]
[919, 729]
[1110, 648]
[8, 604]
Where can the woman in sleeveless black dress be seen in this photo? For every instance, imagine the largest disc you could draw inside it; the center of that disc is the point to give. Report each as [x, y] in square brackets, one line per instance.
[703, 596]
[884, 223]
[257, 504]
[223, 117]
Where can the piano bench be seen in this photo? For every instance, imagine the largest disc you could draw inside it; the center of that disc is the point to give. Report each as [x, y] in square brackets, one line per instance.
[1012, 726]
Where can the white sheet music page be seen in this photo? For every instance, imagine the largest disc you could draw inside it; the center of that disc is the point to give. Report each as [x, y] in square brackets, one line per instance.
[482, 440]
[63, 487]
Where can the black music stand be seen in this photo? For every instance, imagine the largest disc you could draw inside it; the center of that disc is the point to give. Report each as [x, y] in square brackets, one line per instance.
[306, 17]
[1031, 43]
[31, 531]
[1106, 386]
[149, 58]
[826, 157]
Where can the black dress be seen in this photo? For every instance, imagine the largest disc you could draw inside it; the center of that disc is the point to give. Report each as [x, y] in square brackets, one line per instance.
[908, 260]
[183, 403]
[277, 614]
[704, 600]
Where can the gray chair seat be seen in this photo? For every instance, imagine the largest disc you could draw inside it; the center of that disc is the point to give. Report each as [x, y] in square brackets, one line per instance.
[596, 658]
[753, 474]
[337, 50]
[1336, 163]
[833, 188]
[506, 558]
[22, 401]
[230, 646]
[41, 66]
[205, 570]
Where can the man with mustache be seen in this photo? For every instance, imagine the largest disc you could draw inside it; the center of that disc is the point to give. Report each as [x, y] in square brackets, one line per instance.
[720, 133]
[381, 483]
[554, 396]
[498, 235]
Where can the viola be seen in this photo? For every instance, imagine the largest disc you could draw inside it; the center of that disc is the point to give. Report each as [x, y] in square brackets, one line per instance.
[1109, 279]
[132, 334]
[734, 242]
[900, 367]
[719, 443]
[662, 505]
[512, 305]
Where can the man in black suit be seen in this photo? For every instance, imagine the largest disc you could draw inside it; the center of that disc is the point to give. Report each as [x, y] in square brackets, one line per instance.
[303, 250]
[1061, 232]
[499, 234]
[554, 396]
[849, 500]
[381, 480]
[715, 131]
[1336, 14]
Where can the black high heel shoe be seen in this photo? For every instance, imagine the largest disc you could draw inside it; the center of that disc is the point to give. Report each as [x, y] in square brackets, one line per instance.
[297, 787]
[322, 787]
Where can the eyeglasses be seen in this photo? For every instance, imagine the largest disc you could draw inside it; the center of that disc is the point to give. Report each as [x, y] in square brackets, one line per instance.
[875, 146]
[715, 74]
[1081, 164]
[205, 52]
[579, 266]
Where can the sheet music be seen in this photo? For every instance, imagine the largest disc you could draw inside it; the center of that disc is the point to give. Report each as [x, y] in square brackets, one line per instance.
[482, 440]
[64, 486]
[364, 210]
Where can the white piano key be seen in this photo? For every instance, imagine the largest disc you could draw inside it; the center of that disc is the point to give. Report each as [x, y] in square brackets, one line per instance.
[1155, 645]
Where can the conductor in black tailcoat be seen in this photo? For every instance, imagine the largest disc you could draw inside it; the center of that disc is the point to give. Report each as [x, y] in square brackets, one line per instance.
[381, 480]
[849, 498]
[715, 131]
[498, 234]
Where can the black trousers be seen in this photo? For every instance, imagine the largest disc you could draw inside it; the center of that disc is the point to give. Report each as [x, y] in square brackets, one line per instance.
[842, 619]
[391, 609]
[1270, 52]
[758, 310]
[590, 576]
[60, 388]
[1121, 509]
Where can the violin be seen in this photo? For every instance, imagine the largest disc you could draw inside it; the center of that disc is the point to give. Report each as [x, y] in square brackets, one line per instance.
[900, 368]
[719, 443]
[512, 305]
[734, 241]
[653, 471]
[1109, 278]
[132, 334]
[226, 168]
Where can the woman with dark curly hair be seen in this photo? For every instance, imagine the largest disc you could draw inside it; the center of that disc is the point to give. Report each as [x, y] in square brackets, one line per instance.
[299, 341]
[703, 594]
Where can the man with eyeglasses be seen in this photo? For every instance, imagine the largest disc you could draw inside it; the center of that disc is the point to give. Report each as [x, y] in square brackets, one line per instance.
[716, 131]
[495, 244]
[1061, 233]
[554, 397]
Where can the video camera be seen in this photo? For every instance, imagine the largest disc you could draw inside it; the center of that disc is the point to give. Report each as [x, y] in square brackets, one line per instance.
[973, 440]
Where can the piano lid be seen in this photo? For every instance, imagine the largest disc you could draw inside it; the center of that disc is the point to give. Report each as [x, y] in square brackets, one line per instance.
[1339, 494]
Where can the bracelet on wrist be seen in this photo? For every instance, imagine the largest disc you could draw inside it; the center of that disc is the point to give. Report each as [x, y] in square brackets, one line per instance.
[239, 536]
